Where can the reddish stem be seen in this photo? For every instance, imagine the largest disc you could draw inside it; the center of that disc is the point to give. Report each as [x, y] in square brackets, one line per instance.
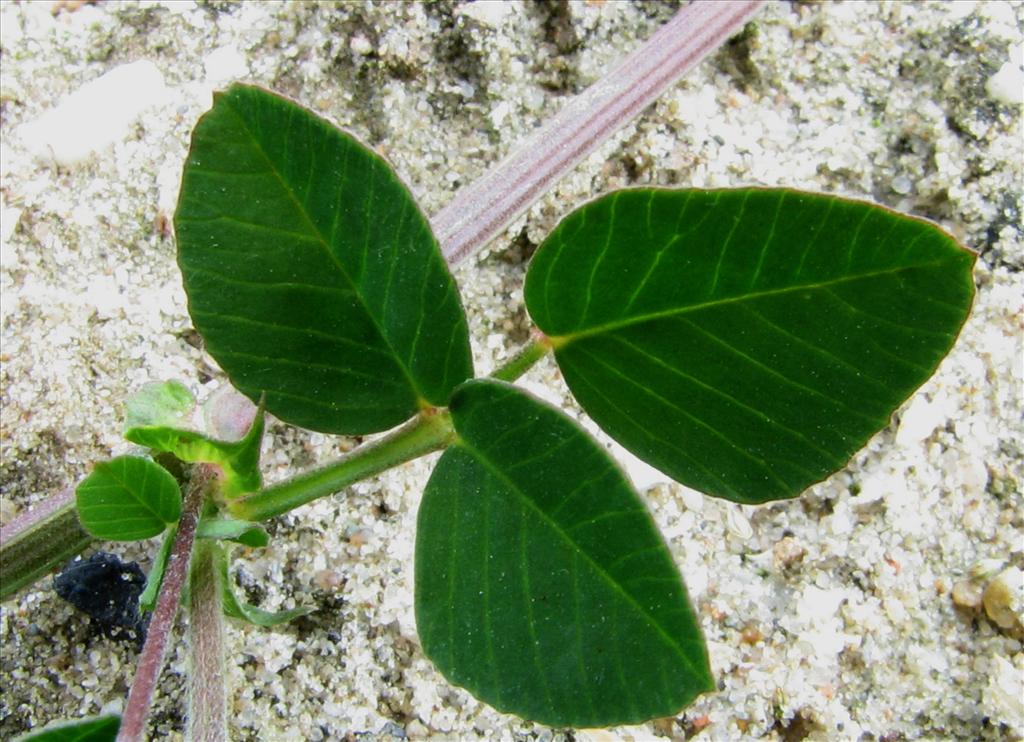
[38, 513]
[482, 209]
[207, 712]
[140, 697]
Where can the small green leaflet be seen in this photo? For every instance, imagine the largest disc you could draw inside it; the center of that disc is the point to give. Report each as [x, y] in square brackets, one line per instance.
[311, 273]
[239, 460]
[243, 532]
[102, 729]
[746, 342]
[235, 608]
[159, 403]
[128, 498]
[542, 583]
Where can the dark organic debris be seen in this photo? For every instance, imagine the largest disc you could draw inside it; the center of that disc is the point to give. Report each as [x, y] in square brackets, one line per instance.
[108, 590]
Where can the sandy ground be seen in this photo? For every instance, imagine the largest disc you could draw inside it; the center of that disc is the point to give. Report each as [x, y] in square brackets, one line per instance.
[828, 617]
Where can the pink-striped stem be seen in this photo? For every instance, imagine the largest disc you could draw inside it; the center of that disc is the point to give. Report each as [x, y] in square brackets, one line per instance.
[482, 209]
[38, 540]
[207, 678]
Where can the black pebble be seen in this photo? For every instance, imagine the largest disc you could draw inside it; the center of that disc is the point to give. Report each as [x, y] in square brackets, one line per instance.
[107, 590]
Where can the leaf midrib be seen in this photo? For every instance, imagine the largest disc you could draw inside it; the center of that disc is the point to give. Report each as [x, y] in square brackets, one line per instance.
[322, 241]
[560, 341]
[528, 501]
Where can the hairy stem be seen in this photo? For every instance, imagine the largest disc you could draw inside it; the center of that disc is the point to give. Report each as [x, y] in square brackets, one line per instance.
[38, 540]
[482, 209]
[423, 434]
[140, 697]
[208, 711]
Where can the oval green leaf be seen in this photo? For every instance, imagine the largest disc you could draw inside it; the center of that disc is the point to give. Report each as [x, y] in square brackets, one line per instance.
[128, 498]
[746, 342]
[310, 271]
[542, 583]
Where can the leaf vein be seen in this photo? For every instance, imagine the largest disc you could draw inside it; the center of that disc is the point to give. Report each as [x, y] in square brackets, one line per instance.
[527, 502]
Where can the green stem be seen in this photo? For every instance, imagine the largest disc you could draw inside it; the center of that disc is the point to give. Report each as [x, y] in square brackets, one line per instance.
[428, 432]
[522, 361]
[147, 601]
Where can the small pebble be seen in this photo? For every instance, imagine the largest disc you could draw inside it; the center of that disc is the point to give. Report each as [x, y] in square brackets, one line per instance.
[416, 729]
[98, 114]
[737, 524]
[489, 14]
[787, 552]
[665, 726]
[1007, 85]
[1004, 599]
[1005, 691]
[967, 594]
[902, 185]
[751, 635]
[359, 538]
[360, 45]
[983, 569]
[224, 65]
[8, 510]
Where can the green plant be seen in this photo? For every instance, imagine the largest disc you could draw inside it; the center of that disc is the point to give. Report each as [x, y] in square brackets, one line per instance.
[746, 342]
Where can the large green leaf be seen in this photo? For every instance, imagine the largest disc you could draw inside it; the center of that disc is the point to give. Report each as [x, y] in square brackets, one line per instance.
[128, 498]
[310, 271]
[746, 342]
[542, 583]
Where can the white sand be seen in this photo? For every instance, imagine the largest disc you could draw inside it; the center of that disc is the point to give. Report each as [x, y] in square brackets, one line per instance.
[913, 105]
